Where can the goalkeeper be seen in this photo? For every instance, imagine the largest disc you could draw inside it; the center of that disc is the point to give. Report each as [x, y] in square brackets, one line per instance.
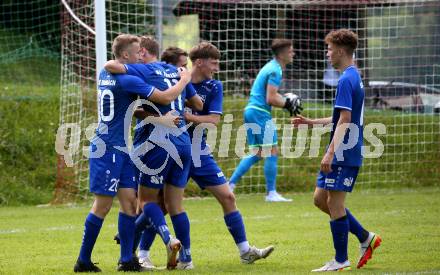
[261, 130]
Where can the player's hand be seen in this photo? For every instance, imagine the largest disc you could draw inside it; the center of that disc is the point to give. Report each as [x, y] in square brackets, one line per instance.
[326, 162]
[185, 74]
[171, 119]
[300, 120]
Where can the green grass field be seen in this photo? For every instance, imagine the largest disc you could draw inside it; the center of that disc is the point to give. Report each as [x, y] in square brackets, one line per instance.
[46, 240]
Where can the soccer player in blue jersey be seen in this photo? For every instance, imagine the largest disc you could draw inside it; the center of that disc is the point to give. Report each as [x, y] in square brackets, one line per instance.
[167, 157]
[343, 157]
[111, 170]
[264, 95]
[205, 171]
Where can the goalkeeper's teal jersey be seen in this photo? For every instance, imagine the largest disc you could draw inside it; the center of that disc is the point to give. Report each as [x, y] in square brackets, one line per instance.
[271, 74]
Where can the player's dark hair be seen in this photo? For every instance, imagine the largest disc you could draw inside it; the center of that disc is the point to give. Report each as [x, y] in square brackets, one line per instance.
[204, 50]
[171, 55]
[278, 45]
[150, 44]
[344, 38]
[122, 42]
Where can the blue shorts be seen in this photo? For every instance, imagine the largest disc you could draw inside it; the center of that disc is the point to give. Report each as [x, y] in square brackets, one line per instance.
[208, 174]
[342, 178]
[111, 171]
[167, 169]
[268, 131]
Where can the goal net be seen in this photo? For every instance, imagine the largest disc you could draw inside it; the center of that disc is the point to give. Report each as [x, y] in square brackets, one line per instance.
[398, 57]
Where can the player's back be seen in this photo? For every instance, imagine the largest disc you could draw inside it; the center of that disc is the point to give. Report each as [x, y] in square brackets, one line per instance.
[271, 73]
[113, 103]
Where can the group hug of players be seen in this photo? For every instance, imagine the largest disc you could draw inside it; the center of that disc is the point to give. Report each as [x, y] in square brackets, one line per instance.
[149, 180]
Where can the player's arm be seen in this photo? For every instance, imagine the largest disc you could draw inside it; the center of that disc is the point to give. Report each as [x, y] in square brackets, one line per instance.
[169, 119]
[115, 67]
[215, 108]
[169, 95]
[192, 99]
[343, 103]
[301, 120]
[197, 119]
[195, 103]
[273, 98]
[341, 129]
[157, 96]
[338, 137]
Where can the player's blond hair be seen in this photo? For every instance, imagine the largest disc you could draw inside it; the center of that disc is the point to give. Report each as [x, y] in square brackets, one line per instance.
[122, 42]
[343, 38]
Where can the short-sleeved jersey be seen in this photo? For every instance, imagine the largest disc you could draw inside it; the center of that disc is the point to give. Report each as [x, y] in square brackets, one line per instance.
[115, 94]
[272, 74]
[211, 93]
[350, 96]
[163, 76]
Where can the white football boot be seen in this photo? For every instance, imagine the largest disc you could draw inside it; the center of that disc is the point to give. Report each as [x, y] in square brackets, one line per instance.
[185, 265]
[273, 196]
[333, 265]
[255, 254]
[146, 263]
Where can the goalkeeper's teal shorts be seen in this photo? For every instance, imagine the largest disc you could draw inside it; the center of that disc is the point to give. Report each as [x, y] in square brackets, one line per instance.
[341, 178]
[261, 130]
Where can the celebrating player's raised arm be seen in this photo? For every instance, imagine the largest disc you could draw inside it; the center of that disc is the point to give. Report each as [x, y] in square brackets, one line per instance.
[158, 96]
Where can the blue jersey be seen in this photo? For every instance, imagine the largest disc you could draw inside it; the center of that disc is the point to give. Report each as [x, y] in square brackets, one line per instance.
[162, 76]
[211, 93]
[350, 96]
[115, 94]
[272, 74]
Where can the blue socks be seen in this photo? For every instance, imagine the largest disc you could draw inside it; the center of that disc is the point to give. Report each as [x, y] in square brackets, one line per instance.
[244, 165]
[154, 215]
[270, 172]
[181, 228]
[235, 225]
[140, 225]
[339, 230]
[92, 227]
[126, 228]
[356, 228]
[147, 238]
